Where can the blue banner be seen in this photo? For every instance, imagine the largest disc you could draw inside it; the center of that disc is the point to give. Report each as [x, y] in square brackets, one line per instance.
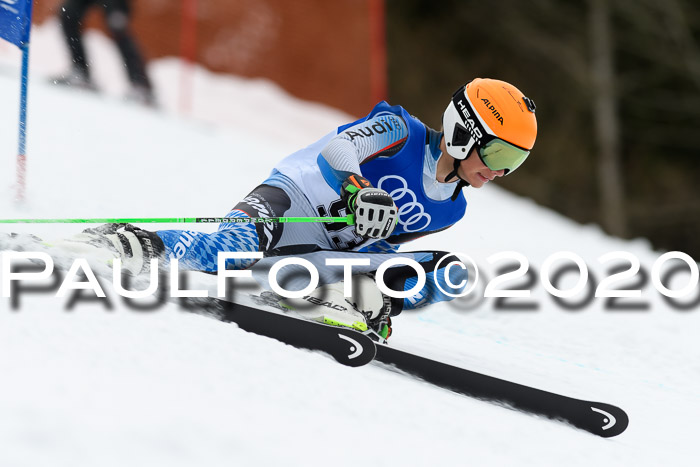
[15, 21]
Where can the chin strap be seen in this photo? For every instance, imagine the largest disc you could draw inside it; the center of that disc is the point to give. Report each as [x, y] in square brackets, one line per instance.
[460, 184]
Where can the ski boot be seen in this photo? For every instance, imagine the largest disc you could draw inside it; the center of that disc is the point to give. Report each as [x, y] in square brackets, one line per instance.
[101, 245]
[367, 310]
[136, 247]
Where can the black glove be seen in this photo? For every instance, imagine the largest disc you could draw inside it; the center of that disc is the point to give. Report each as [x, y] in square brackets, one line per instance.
[375, 212]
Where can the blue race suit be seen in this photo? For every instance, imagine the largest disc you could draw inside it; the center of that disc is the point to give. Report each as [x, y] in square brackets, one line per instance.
[395, 152]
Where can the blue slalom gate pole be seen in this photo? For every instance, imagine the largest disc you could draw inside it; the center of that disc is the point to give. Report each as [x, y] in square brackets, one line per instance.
[15, 27]
[22, 147]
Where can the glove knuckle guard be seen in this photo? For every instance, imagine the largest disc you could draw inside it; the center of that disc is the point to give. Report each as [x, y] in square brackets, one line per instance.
[375, 211]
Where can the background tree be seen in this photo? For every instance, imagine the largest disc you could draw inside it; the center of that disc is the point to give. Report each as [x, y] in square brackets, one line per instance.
[617, 113]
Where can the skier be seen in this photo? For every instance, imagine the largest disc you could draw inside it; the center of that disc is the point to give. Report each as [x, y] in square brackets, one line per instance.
[401, 179]
[117, 16]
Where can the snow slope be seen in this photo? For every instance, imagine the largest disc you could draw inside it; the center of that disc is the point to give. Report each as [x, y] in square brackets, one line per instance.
[98, 383]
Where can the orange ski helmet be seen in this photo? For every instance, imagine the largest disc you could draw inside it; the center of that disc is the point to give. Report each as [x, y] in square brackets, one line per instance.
[496, 118]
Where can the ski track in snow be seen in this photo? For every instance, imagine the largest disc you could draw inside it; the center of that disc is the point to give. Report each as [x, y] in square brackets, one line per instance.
[96, 386]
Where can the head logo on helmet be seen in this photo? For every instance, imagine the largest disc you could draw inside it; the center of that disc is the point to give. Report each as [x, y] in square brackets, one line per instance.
[493, 117]
[471, 123]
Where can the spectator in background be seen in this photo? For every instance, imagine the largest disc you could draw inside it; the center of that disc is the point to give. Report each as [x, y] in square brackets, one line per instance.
[117, 15]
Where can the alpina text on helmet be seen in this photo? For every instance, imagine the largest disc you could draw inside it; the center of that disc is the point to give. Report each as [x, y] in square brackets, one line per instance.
[493, 110]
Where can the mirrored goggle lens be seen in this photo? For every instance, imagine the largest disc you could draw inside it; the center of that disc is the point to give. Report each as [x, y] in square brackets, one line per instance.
[500, 155]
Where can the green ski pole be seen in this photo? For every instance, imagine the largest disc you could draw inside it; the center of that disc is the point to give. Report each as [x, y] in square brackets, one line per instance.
[349, 219]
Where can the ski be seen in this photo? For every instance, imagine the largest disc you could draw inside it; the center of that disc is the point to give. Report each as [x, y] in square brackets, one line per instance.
[346, 346]
[599, 418]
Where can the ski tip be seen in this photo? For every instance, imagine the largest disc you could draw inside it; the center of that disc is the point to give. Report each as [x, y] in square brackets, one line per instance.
[359, 349]
[606, 420]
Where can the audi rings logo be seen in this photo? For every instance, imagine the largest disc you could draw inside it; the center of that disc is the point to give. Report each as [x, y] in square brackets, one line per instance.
[412, 215]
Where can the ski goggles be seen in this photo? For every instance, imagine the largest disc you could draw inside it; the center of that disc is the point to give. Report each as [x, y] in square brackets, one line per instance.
[498, 154]
[464, 131]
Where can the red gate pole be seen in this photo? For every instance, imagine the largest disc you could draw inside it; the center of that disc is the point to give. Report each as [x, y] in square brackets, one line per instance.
[377, 51]
[188, 52]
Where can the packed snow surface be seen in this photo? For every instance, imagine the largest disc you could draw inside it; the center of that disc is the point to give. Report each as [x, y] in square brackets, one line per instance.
[95, 382]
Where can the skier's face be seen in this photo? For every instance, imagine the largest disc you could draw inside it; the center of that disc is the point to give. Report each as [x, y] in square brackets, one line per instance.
[474, 171]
